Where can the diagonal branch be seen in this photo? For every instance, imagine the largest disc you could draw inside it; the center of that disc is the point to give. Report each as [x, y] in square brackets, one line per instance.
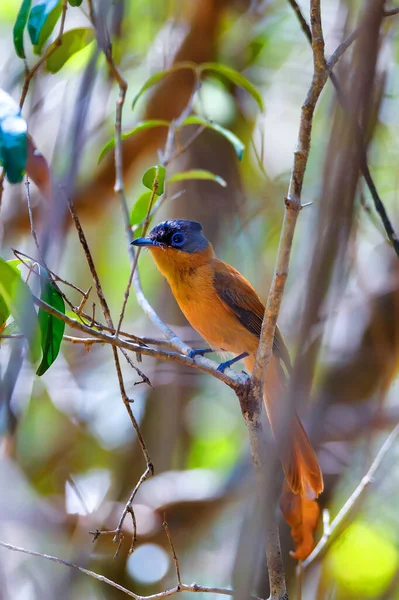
[344, 515]
[364, 168]
[194, 587]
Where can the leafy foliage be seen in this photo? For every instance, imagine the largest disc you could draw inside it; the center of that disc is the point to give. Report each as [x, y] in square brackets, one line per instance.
[73, 41]
[13, 139]
[42, 19]
[52, 329]
[154, 179]
[19, 28]
[17, 297]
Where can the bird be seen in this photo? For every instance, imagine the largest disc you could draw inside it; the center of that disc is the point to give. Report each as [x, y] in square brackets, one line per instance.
[224, 308]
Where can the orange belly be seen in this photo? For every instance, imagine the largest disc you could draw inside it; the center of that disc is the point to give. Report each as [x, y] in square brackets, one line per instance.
[207, 314]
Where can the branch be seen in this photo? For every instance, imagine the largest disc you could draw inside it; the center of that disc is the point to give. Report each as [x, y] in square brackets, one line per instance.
[341, 520]
[292, 209]
[194, 587]
[236, 381]
[379, 206]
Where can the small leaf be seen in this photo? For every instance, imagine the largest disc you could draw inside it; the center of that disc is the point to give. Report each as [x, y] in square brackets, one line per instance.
[19, 28]
[140, 210]
[154, 179]
[236, 78]
[52, 329]
[13, 139]
[141, 126]
[75, 2]
[231, 137]
[18, 298]
[158, 76]
[73, 41]
[198, 174]
[42, 19]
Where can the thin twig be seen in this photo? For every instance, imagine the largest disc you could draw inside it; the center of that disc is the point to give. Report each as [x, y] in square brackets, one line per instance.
[194, 587]
[390, 12]
[236, 381]
[30, 73]
[364, 168]
[341, 520]
[172, 547]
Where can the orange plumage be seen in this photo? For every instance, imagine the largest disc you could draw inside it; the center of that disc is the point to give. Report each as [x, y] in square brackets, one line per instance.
[226, 311]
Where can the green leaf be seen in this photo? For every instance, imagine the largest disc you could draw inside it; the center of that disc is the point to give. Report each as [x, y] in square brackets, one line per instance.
[158, 76]
[73, 41]
[140, 210]
[52, 329]
[154, 179]
[141, 126]
[13, 139]
[42, 19]
[19, 28]
[233, 139]
[75, 2]
[18, 298]
[236, 78]
[198, 174]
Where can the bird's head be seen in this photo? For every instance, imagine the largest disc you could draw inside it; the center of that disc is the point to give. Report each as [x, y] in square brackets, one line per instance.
[176, 244]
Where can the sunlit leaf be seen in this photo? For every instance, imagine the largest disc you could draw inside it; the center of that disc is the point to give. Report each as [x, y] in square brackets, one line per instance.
[73, 41]
[42, 19]
[19, 28]
[140, 208]
[13, 139]
[233, 139]
[18, 298]
[52, 329]
[154, 179]
[198, 174]
[158, 76]
[141, 126]
[236, 78]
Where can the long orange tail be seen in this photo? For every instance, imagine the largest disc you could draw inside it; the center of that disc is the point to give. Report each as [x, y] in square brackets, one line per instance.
[298, 458]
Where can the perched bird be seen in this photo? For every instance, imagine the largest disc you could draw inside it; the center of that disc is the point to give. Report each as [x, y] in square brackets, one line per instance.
[226, 311]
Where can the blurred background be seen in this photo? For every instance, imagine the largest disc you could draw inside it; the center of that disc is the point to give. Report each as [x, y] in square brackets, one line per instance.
[69, 455]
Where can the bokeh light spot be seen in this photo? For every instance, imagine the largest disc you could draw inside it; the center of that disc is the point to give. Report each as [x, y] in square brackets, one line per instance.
[148, 564]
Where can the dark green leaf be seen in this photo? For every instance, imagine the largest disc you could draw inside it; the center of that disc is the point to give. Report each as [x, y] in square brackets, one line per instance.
[18, 298]
[233, 139]
[236, 78]
[158, 76]
[140, 210]
[139, 127]
[42, 19]
[13, 139]
[19, 28]
[198, 174]
[154, 179]
[73, 41]
[52, 329]
[75, 2]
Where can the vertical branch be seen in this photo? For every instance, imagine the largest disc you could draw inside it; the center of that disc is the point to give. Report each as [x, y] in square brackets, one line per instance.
[252, 405]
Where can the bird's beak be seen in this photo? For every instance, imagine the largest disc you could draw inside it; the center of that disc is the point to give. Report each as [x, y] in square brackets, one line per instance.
[143, 242]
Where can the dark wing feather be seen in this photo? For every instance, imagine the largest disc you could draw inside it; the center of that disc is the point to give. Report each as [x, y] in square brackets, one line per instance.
[241, 298]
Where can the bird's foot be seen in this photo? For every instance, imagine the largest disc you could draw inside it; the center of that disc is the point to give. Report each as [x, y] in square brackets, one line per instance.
[230, 362]
[199, 352]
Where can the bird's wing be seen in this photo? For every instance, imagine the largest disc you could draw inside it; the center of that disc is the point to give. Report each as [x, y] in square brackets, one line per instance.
[238, 295]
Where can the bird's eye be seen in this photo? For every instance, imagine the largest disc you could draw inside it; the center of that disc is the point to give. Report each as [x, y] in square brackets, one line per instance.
[178, 239]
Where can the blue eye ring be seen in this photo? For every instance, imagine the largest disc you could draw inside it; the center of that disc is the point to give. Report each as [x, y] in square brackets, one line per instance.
[178, 239]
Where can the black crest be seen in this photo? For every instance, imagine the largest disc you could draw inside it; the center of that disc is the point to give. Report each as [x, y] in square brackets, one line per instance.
[180, 234]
